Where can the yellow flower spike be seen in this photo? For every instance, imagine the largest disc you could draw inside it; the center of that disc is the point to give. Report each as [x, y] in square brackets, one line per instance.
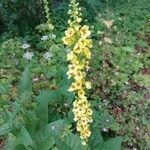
[46, 8]
[77, 39]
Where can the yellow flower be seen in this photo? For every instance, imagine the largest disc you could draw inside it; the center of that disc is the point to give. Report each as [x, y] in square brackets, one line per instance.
[82, 43]
[86, 133]
[70, 32]
[70, 56]
[79, 20]
[80, 66]
[79, 75]
[85, 31]
[81, 93]
[88, 85]
[77, 49]
[72, 87]
[73, 69]
[87, 53]
[67, 41]
[84, 143]
[78, 84]
[69, 74]
[89, 112]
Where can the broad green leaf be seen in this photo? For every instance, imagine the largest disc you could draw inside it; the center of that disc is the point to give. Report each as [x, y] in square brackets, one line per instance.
[44, 99]
[62, 146]
[53, 128]
[70, 142]
[4, 88]
[73, 141]
[56, 127]
[13, 145]
[31, 121]
[25, 85]
[44, 139]
[5, 128]
[96, 138]
[25, 139]
[112, 144]
[50, 96]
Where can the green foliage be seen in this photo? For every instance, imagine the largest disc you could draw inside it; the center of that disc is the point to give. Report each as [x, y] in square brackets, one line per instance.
[27, 125]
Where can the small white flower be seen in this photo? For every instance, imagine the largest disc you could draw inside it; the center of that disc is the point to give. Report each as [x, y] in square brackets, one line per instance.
[25, 46]
[28, 55]
[87, 69]
[134, 148]
[116, 73]
[105, 129]
[35, 79]
[53, 127]
[100, 32]
[65, 104]
[52, 36]
[44, 38]
[105, 102]
[100, 43]
[107, 120]
[47, 55]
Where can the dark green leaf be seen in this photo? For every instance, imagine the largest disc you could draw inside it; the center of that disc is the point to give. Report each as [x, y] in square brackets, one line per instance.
[25, 85]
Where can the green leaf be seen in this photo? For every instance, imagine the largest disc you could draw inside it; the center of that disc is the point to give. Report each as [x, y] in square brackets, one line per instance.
[25, 85]
[24, 138]
[70, 142]
[112, 144]
[96, 138]
[5, 128]
[73, 141]
[50, 96]
[62, 146]
[44, 139]
[4, 88]
[44, 99]
[55, 128]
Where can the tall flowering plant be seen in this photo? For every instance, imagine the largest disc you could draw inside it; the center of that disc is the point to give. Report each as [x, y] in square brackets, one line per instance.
[46, 8]
[77, 39]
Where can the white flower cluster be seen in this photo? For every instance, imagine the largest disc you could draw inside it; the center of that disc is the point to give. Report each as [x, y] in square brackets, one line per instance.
[47, 55]
[46, 37]
[52, 36]
[28, 55]
[25, 46]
